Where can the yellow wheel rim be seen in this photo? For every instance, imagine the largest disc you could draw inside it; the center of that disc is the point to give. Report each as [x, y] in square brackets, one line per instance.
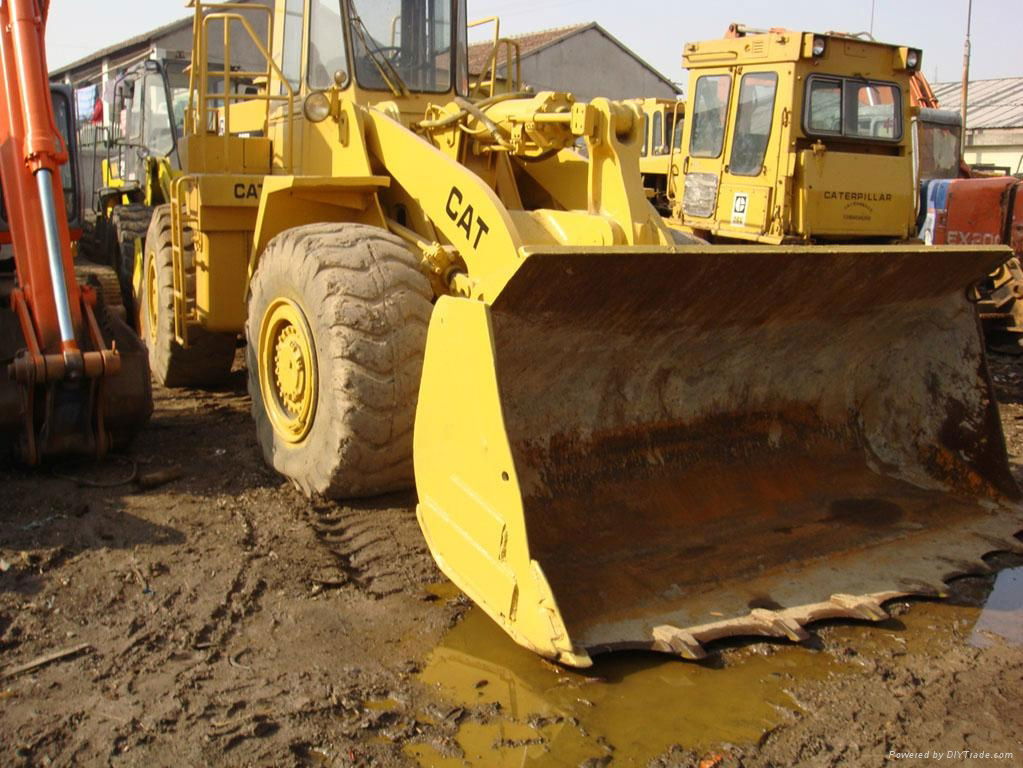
[287, 370]
[152, 297]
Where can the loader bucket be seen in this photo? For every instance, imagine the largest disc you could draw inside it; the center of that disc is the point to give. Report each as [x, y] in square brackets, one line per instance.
[656, 448]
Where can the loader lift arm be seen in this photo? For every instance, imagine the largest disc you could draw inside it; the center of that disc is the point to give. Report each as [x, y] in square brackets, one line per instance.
[56, 338]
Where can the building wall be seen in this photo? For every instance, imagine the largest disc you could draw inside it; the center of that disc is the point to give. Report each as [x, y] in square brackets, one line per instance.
[589, 65]
[996, 146]
[1008, 157]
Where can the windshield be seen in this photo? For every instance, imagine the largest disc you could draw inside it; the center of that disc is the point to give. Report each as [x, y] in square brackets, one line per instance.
[159, 136]
[709, 114]
[402, 45]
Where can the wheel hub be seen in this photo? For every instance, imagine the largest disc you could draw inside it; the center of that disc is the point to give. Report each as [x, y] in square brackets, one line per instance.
[290, 368]
[287, 370]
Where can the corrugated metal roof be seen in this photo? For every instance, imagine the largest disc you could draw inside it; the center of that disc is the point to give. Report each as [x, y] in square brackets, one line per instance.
[990, 103]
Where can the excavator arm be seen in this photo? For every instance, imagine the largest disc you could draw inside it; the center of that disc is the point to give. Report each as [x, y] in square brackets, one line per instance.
[59, 345]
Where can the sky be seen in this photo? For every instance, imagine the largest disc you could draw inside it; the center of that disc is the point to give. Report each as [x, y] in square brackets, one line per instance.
[654, 29]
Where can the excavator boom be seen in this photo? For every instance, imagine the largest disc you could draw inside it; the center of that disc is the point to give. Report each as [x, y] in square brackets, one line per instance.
[69, 388]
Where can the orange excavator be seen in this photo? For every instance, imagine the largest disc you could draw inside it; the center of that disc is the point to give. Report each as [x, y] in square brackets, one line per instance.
[963, 206]
[74, 378]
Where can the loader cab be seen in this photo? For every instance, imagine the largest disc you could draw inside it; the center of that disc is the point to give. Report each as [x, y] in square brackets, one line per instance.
[147, 121]
[406, 54]
[409, 52]
[798, 137]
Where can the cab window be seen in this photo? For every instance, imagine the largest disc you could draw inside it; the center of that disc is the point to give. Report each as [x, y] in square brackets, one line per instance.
[159, 136]
[402, 43]
[291, 58]
[326, 45]
[658, 138]
[753, 121]
[872, 110]
[825, 106]
[710, 111]
[853, 108]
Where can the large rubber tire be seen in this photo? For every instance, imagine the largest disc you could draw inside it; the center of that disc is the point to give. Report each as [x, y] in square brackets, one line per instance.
[207, 360]
[366, 307]
[89, 245]
[127, 222]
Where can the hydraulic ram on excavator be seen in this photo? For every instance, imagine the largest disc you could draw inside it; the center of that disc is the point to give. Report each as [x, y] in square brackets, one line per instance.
[622, 438]
[78, 380]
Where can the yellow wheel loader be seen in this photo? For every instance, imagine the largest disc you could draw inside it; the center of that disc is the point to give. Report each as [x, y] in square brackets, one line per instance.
[619, 438]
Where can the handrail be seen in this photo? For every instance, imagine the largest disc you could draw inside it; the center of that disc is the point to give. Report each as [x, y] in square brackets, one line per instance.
[513, 53]
[199, 114]
[670, 188]
[178, 280]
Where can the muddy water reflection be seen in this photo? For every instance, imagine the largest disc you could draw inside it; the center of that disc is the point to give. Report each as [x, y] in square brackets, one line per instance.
[1001, 620]
[525, 711]
[633, 704]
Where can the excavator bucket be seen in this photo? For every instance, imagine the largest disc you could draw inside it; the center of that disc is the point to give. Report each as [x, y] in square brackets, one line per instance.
[657, 448]
[78, 416]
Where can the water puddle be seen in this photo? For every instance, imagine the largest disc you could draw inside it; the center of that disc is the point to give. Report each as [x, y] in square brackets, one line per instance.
[1001, 620]
[636, 706]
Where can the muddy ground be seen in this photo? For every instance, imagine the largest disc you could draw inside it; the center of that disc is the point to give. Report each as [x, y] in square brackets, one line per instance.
[222, 619]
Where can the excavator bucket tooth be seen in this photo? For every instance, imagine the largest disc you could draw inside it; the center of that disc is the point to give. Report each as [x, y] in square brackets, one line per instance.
[646, 448]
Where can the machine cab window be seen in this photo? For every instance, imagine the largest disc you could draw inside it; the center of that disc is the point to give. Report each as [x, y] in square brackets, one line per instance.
[658, 147]
[402, 45]
[710, 111]
[328, 63]
[853, 108]
[753, 122]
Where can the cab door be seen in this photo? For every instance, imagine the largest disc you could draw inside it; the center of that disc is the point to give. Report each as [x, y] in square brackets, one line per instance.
[703, 145]
[747, 198]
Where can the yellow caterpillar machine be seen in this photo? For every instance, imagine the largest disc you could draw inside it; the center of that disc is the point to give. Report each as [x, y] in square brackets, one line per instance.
[140, 160]
[797, 137]
[609, 449]
[663, 121]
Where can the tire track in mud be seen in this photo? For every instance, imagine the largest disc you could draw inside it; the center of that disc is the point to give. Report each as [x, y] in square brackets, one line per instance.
[377, 545]
[241, 600]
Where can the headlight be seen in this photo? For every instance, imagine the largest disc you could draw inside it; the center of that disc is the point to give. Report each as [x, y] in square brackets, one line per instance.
[818, 46]
[316, 107]
[913, 59]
